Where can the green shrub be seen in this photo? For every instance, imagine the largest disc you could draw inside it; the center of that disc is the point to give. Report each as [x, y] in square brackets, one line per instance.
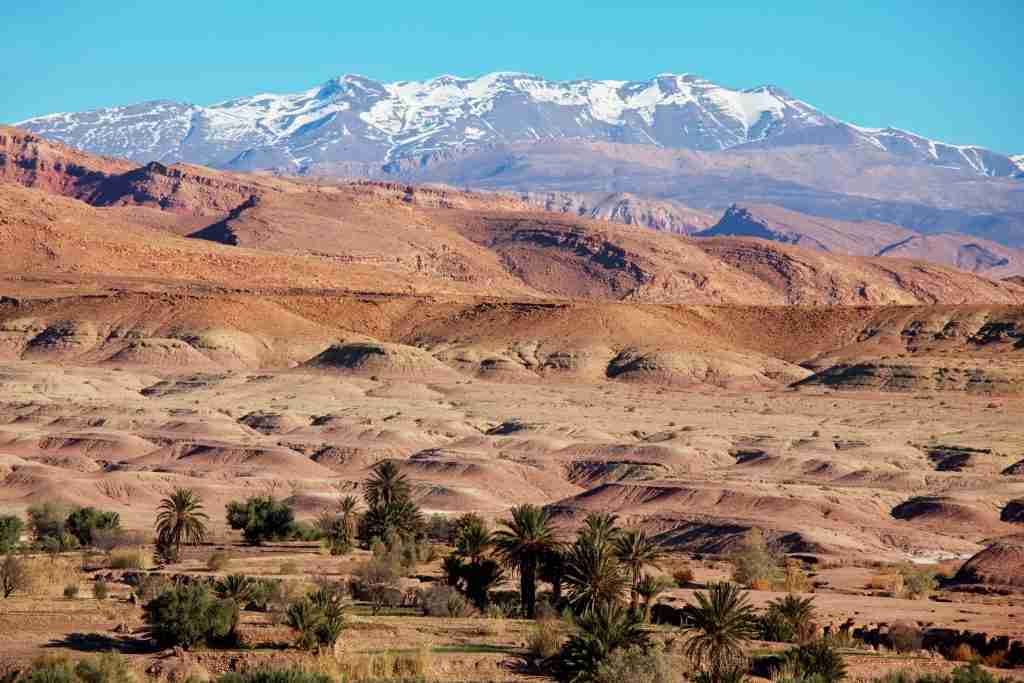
[318, 619]
[275, 676]
[817, 660]
[218, 561]
[602, 631]
[11, 528]
[71, 591]
[968, 673]
[261, 518]
[82, 523]
[109, 667]
[188, 615]
[237, 587]
[918, 582]
[100, 589]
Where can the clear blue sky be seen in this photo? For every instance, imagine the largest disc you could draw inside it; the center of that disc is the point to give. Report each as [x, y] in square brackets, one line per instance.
[951, 71]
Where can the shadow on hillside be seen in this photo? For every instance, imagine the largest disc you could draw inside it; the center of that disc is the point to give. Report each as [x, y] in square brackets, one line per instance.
[102, 642]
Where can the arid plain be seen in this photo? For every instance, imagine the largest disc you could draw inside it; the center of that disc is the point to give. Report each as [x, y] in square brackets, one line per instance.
[175, 326]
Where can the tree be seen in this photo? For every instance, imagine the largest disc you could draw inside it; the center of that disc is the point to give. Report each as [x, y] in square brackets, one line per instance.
[754, 562]
[180, 520]
[521, 545]
[649, 588]
[187, 615]
[11, 528]
[14, 575]
[318, 618]
[636, 551]
[717, 626]
[474, 541]
[593, 574]
[261, 518]
[797, 613]
[607, 628]
[400, 519]
[386, 486]
[48, 524]
[349, 509]
[817, 661]
[83, 523]
[601, 528]
[237, 587]
[552, 570]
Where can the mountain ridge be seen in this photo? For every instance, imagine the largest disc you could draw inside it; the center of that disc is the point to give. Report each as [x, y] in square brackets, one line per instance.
[356, 119]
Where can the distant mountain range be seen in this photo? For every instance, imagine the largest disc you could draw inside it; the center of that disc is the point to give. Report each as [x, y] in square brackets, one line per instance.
[679, 148]
[352, 118]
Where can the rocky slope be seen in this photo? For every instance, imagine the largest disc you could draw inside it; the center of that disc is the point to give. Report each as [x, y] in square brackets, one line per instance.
[868, 238]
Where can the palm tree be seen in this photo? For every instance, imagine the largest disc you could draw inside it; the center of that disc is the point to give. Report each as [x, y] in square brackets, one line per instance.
[237, 587]
[649, 588]
[181, 519]
[527, 536]
[717, 627]
[593, 575]
[474, 541]
[636, 551]
[349, 517]
[601, 528]
[386, 486]
[602, 631]
[798, 613]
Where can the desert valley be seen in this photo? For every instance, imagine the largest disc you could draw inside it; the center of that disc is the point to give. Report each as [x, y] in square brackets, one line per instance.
[839, 390]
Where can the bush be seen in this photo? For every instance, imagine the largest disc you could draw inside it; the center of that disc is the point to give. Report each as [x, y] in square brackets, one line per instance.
[100, 589]
[129, 559]
[904, 637]
[218, 561]
[683, 577]
[637, 665]
[11, 528]
[544, 639]
[261, 518]
[917, 583]
[970, 673]
[275, 676]
[150, 586]
[444, 601]
[187, 615]
[105, 668]
[318, 619]
[82, 523]
[755, 563]
[111, 539]
[14, 576]
[47, 522]
[817, 660]
[71, 591]
[376, 581]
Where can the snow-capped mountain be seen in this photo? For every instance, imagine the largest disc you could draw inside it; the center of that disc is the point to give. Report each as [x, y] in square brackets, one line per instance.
[1018, 161]
[355, 119]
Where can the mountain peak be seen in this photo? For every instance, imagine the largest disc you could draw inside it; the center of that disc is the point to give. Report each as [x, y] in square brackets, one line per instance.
[353, 118]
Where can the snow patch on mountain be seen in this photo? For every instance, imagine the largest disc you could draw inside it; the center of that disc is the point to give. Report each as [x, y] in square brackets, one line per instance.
[354, 118]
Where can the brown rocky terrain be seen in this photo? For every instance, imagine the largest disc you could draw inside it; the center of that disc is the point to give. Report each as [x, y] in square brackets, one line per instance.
[239, 334]
[868, 238]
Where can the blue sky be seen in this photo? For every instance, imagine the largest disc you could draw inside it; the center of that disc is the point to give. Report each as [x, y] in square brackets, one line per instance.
[951, 71]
